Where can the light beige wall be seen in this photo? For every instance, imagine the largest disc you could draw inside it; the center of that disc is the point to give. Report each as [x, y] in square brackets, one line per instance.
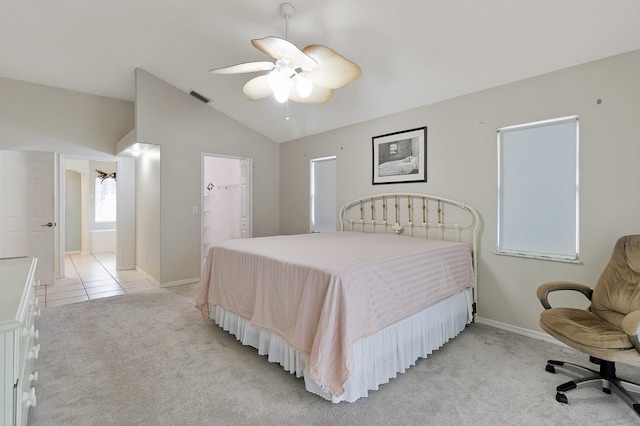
[462, 164]
[184, 127]
[73, 212]
[148, 213]
[34, 117]
[42, 118]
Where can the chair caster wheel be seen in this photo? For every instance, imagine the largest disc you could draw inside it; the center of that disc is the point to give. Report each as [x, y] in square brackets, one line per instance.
[550, 369]
[562, 398]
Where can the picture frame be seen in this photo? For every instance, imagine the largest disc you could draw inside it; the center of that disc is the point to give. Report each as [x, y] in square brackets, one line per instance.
[400, 157]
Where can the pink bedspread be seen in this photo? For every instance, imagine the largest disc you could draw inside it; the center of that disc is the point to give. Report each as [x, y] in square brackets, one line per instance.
[323, 292]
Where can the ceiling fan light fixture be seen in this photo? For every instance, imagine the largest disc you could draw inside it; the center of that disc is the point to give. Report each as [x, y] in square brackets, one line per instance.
[304, 86]
[308, 75]
[282, 95]
[280, 85]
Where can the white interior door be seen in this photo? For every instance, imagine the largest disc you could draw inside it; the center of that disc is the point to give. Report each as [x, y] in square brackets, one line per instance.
[27, 218]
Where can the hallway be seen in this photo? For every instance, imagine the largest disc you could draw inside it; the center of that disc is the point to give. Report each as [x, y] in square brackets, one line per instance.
[91, 276]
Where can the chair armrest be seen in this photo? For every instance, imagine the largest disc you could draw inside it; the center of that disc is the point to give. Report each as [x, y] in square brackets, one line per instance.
[631, 326]
[545, 289]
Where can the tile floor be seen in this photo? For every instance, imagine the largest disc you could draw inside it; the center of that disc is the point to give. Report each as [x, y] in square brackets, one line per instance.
[91, 276]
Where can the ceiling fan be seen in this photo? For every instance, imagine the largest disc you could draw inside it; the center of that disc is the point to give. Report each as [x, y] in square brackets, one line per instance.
[309, 75]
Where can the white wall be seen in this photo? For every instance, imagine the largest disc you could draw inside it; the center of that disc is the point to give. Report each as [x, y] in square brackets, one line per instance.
[81, 167]
[148, 213]
[42, 118]
[126, 226]
[184, 127]
[34, 117]
[462, 164]
[73, 211]
[102, 240]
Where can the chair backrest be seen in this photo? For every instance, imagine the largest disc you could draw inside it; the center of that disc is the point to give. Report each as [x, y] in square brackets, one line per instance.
[617, 291]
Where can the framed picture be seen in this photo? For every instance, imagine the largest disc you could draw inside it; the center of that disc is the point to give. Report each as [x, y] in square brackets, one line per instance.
[400, 157]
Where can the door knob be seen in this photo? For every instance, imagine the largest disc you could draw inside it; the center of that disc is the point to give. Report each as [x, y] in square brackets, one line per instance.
[50, 224]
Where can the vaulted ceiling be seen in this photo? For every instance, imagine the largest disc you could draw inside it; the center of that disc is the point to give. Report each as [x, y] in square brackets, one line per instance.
[412, 52]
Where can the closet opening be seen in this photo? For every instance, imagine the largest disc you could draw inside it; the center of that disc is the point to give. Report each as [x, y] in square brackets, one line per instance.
[226, 200]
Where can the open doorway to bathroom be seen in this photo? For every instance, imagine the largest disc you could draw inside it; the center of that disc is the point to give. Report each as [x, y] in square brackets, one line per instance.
[90, 210]
[95, 242]
[226, 199]
[96, 209]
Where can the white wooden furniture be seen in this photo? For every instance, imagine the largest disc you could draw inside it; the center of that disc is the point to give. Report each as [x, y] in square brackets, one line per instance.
[18, 336]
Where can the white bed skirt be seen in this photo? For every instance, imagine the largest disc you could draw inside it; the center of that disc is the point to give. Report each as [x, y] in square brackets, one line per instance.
[377, 358]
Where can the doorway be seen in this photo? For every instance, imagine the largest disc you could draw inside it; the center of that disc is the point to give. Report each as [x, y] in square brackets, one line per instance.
[96, 199]
[226, 199]
[32, 189]
[90, 206]
[90, 215]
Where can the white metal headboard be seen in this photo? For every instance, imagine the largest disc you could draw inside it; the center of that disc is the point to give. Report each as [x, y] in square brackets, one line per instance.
[418, 215]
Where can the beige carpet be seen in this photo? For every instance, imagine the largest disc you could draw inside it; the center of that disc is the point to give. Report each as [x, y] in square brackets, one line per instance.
[149, 359]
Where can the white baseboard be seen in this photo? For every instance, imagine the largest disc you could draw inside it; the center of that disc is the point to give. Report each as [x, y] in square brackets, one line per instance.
[147, 276]
[180, 282]
[538, 335]
[167, 284]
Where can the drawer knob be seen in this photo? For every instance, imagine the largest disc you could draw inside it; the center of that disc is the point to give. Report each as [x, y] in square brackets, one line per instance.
[34, 352]
[31, 332]
[29, 398]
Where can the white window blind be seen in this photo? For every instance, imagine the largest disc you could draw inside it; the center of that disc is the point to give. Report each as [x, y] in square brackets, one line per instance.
[538, 190]
[323, 194]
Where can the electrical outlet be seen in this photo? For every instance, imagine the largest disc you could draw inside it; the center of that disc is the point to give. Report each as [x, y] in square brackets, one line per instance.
[195, 209]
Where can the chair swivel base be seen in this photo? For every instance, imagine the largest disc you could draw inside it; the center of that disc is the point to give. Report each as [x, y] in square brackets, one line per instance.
[604, 379]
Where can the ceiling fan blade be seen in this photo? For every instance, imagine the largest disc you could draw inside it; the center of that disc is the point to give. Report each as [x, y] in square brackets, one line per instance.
[257, 88]
[318, 95]
[244, 68]
[333, 70]
[279, 48]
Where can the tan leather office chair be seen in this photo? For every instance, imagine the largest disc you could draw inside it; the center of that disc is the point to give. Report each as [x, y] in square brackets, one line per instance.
[607, 331]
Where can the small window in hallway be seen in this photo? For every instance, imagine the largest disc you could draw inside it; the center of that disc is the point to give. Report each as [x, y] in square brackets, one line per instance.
[105, 200]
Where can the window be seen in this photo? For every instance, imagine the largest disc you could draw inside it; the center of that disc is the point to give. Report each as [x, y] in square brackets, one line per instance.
[393, 148]
[538, 190]
[105, 200]
[323, 194]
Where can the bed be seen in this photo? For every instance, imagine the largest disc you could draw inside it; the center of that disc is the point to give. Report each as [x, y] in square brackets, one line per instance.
[348, 310]
[406, 166]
